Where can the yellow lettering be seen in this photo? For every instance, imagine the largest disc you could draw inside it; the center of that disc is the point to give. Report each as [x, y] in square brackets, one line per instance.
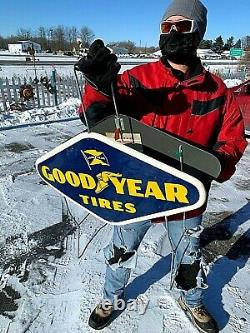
[94, 202]
[176, 192]
[85, 199]
[104, 203]
[72, 178]
[154, 190]
[133, 188]
[87, 181]
[47, 175]
[59, 176]
[117, 205]
[130, 208]
[118, 184]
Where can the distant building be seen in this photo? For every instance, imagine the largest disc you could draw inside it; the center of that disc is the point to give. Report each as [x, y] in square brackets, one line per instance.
[119, 50]
[24, 46]
[157, 53]
[225, 54]
[245, 42]
[207, 54]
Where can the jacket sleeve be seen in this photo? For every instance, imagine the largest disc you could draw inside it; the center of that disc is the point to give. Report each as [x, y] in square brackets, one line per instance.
[231, 141]
[97, 105]
[94, 104]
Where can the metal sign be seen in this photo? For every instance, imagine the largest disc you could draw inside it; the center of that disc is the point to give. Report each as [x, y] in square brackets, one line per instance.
[236, 52]
[116, 183]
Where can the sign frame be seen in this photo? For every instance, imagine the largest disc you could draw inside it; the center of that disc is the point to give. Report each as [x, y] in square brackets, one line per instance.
[137, 155]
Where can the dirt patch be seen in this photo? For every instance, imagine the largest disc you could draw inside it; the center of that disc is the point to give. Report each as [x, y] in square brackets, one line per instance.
[16, 147]
[226, 247]
[8, 305]
[212, 218]
[219, 238]
[60, 140]
[44, 134]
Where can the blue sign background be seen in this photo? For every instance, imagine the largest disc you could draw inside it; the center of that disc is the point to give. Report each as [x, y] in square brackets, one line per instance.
[71, 159]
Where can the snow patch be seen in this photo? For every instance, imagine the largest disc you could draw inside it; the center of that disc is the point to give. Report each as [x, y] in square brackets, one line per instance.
[232, 82]
[67, 109]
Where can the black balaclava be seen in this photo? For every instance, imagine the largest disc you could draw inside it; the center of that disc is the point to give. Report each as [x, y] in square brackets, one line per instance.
[178, 47]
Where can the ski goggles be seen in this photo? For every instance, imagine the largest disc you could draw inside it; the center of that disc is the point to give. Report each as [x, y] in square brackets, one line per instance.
[184, 26]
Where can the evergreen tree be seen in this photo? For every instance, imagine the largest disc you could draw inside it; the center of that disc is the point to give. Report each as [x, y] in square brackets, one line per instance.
[238, 44]
[218, 45]
[3, 43]
[206, 44]
[229, 43]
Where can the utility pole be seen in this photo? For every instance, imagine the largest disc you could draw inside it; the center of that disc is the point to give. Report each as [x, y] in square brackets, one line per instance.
[53, 81]
[50, 39]
[32, 53]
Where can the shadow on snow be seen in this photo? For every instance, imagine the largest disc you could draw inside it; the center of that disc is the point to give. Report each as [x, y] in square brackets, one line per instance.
[233, 258]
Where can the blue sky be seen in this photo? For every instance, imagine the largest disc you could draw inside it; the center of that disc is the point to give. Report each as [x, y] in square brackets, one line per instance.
[116, 20]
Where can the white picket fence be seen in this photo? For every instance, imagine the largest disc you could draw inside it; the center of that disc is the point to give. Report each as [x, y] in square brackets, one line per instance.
[10, 93]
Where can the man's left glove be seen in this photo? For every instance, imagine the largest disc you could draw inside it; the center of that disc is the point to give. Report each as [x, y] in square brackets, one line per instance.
[99, 66]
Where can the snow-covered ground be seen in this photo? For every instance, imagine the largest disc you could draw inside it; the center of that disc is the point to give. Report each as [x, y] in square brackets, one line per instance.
[52, 270]
[232, 82]
[51, 276]
[63, 111]
[229, 68]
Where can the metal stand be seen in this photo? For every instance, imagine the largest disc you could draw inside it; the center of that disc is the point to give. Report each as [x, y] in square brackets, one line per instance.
[174, 270]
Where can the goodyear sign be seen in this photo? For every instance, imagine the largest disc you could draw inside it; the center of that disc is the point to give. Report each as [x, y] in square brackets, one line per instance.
[116, 183]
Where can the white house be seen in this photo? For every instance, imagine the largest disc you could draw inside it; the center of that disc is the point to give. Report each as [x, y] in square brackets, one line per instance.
[201, 53]
[23, 46]
[207, 54]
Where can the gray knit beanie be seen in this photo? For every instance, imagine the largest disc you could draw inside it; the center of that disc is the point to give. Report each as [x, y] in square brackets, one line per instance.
[192, 9]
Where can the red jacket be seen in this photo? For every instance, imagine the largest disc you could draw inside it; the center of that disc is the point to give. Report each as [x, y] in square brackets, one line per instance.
[199, 108]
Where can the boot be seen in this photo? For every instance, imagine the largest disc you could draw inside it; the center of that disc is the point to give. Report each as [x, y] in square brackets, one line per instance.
[101, 316]
[200, 317]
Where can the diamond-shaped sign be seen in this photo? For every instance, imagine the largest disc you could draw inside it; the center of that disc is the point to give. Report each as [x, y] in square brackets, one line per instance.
[116, 183]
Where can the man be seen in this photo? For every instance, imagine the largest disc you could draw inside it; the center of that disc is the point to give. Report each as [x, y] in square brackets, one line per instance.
[175, 94]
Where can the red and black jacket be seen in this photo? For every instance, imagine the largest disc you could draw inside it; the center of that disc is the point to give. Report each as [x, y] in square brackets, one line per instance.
[198, 107]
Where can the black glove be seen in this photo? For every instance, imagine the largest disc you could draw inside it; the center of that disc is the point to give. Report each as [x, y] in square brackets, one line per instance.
[99, 67]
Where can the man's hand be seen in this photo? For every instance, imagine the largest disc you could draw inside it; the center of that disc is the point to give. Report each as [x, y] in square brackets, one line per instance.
[99, 66]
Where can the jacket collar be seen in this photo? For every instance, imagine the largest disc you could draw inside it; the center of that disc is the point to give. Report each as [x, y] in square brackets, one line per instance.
[194, 76]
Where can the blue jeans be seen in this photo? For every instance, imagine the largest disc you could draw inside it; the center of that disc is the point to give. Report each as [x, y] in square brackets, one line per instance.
[121, 255]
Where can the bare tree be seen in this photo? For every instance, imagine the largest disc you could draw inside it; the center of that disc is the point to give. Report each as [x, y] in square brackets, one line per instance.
[24, 34]
[58, 37]
[86, 35]
[71, 36]
[41, 37]
[41, 32]
[152, 49]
